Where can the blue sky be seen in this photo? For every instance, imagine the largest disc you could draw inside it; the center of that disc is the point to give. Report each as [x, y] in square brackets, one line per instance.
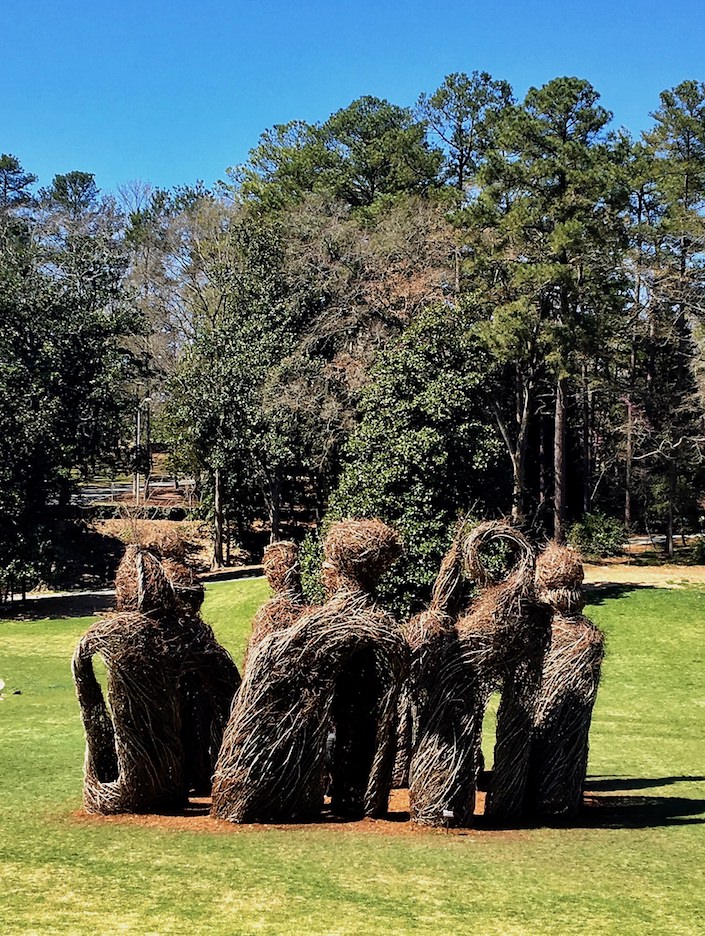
[171, 92]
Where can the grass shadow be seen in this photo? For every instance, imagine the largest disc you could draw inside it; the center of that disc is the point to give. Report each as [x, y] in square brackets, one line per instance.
[82, 604]
[598, 593]
[605, 806]
[640, 812]
[598, 784]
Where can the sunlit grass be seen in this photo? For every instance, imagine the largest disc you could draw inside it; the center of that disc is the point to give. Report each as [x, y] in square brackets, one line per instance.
[639, 873]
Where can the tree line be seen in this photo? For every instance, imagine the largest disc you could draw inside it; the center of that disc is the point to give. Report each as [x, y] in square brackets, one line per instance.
[474, 305]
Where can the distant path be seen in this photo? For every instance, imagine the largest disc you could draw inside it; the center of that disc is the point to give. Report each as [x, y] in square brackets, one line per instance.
[625, 573]
[85, 603]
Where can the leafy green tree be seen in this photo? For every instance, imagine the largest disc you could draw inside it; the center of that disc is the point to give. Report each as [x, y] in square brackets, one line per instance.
[283, 167]
[242, 328]
[62, 402]
[425, 452]
[668, 441]
[463, 113]
[545, 246]
[15, 185]
[369, 150]
[355, 284]
[377, 149]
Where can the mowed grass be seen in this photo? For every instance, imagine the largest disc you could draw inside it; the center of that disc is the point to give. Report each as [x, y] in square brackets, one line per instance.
[635, 866]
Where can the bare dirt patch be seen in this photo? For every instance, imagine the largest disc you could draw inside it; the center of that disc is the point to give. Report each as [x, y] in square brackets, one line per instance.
[622, 572]
[196, 818]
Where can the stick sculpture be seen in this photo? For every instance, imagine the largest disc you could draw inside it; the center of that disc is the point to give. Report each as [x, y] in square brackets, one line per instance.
[426, 634]
[341, 663]
[287, 604]
[497, 645]
[169, 684]
[134, 753]
[570, 679]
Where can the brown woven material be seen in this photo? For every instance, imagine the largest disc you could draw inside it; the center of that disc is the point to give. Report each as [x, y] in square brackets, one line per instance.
[287, 604]
[506, 634]
[281, 566]
[445, 754]
[422, 633]
[188, 589]
[569, 684]
[404, 736]
[357, 553]
[134, 754]
[338, 667]
[141, 583]
[207, 684]
[498, 644]
[559, 578]
[559, 567]
[168, 677]
[272, 762]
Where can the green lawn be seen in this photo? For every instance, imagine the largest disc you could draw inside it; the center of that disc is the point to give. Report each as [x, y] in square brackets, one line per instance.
[638, 869]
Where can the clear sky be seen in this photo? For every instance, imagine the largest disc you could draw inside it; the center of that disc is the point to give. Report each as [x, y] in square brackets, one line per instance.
[169, 92]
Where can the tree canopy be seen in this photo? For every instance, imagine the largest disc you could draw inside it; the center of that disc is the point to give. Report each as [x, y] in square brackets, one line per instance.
[476, 304]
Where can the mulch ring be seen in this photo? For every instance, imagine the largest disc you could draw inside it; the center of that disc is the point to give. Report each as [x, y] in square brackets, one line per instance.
[196, 818]
[599, 810]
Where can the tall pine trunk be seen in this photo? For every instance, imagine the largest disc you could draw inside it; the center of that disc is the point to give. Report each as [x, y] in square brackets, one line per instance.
[587, 451]
[629, 461]
[559, 461]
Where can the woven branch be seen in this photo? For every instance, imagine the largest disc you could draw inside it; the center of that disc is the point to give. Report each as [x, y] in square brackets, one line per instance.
[498, 644]
[134, 754]
[287, 604]
[339, 666]
[569, 684]
[448, 596]
[272, 762]
[188, 589]
[559, 754]
[141, 583]
[207, 683]
[170, 689]
[357, 553]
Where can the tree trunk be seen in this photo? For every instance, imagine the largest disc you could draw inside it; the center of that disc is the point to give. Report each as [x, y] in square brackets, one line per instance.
[559, 463]
[542, 461]
[218, 515]
[587, 453]
[148, 450]
[138, 438]
[275, 494]
[669, 515]
[628, 457]
[518, 488]
[517, 447]
[321, 493]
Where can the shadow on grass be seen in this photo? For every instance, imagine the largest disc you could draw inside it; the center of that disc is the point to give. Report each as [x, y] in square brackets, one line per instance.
[201, 806]
[616, 812]
[59, 606]
[610, 810]
[598, 593]
[640, 812]
[608, 784]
